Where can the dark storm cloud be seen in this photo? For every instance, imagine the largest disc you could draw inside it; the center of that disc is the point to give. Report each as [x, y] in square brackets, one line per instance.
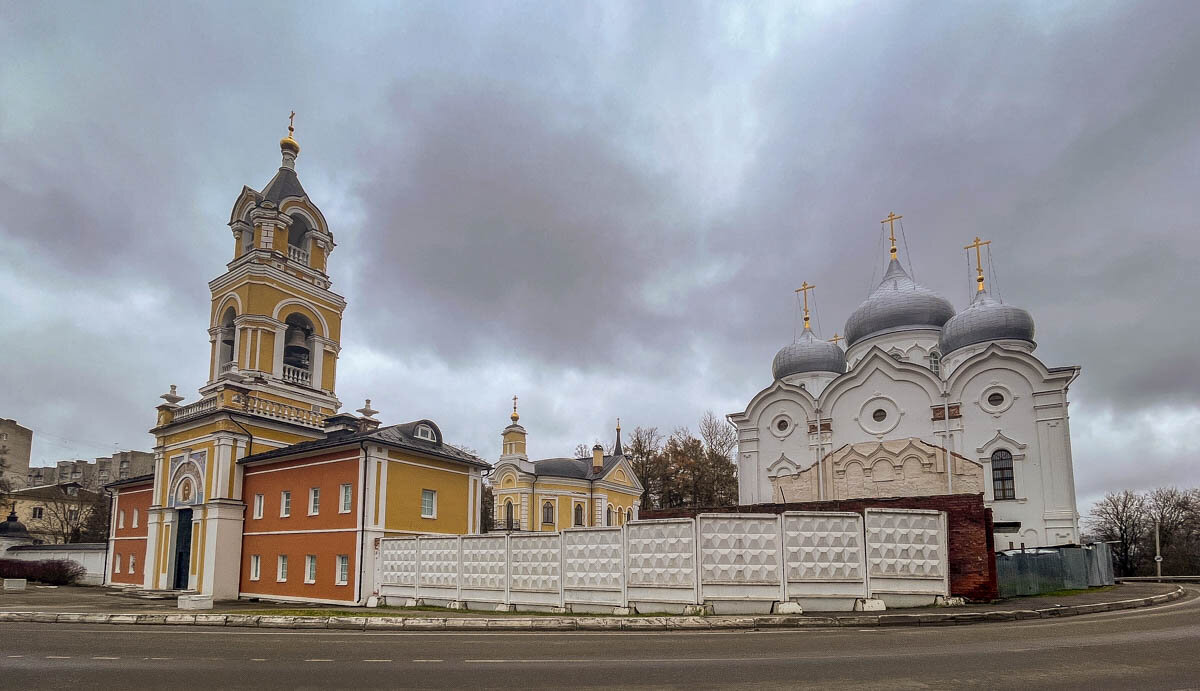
[604, 207]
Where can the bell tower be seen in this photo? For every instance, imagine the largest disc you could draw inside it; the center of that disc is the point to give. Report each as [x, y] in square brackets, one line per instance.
[274, 330]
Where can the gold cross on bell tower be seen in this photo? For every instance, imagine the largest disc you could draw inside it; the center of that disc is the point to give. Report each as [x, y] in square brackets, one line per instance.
[978, 261]
[514, 415]
[803, 289]
[891, 221]
[291, 123]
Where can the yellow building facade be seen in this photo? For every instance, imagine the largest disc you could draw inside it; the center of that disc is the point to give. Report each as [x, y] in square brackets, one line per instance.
[266, 431]
[556, 493]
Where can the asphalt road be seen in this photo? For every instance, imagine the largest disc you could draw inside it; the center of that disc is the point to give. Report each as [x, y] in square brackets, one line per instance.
[1155, 647]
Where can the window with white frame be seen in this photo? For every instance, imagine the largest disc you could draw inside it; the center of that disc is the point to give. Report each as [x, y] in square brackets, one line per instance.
[132, 563]
[135, 518]
[346, 499]
[285, 503]
[38, 512]
[428, 503]
[255, 567]
[281, 568]
[121, 518]
[310, 568]
[1003, 482]
[426, 432]
[548, 513]
[258, 506]
[343, 569]
[579, 514]
[314, 501]
[117, 563]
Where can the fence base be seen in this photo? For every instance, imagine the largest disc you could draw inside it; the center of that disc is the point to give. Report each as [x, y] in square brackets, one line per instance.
[869, 604]
[788, 608]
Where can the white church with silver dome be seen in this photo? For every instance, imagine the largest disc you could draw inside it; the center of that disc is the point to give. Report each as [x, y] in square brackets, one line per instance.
[924, 400]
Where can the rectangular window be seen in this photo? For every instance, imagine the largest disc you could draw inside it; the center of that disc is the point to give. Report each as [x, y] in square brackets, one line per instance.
[132, 563]
[314, 501]
[285, 504]
[121, 519]
[117, 563]
[310, 568]
[72, 514]
[258, 506]
[346, 499]
[343, 569]
[255, 566]
[281, 569]
[428, 503]
[135, 518]
[37, 512]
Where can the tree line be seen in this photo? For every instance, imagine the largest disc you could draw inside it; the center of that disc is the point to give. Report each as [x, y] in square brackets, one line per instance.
[1127, 520]
[685, 469]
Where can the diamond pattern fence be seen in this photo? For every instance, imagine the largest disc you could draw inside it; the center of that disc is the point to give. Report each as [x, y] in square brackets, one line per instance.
[740, 560]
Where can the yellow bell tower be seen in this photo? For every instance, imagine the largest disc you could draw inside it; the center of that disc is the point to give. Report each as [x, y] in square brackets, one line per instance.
[275, 327]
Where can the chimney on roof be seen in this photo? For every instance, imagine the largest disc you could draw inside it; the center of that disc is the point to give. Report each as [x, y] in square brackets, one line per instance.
[597, 459]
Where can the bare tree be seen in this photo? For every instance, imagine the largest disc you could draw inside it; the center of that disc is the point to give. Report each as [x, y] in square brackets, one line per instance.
[1121, 518]
[645, 452]
[66, 512]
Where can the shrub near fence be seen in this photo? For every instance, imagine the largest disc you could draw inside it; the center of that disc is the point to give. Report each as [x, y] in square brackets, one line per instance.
[50, 571]
[734, 563]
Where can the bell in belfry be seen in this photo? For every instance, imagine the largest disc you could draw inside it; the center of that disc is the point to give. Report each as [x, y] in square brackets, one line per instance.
[295, 348]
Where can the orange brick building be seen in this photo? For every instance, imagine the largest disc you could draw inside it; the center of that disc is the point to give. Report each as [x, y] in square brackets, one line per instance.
[127, 529]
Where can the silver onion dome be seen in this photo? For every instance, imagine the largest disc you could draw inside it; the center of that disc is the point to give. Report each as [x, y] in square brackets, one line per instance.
[808, 354]
[987, 319]
[897, 304]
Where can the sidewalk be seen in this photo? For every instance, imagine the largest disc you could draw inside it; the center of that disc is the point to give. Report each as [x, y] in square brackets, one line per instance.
[103, 606]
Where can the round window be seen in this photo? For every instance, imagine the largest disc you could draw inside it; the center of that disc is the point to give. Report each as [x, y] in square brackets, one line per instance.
[995, 400]
[879, 415]
[782, 425]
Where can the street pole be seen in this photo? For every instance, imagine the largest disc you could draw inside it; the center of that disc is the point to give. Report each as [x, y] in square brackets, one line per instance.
[1157, 553]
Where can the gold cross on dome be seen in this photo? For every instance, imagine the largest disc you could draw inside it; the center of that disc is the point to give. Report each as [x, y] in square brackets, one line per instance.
[978, 261]
[803, 289]
[836, 338]
[891, 221]
[291, 123]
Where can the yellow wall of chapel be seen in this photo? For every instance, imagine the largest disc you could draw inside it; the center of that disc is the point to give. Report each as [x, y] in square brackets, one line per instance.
[403, 495]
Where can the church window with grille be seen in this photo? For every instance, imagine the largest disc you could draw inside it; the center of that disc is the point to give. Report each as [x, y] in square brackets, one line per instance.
[1003, 484]
[548, 513]
[509, 522]
[608, 517]
[579, 514]
[935, 362]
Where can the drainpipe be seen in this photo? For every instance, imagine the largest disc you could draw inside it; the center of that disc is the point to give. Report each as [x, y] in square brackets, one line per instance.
[946, 441]
[362, 533]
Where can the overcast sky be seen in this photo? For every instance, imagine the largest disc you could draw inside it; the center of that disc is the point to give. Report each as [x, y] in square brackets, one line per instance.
[601, 207]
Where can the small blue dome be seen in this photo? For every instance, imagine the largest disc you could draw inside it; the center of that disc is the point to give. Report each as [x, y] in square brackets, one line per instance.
[808, 354]
[987, 319]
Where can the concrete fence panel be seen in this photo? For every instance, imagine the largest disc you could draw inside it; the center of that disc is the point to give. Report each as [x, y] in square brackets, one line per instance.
[485, 568]
[661, 564]
[398, 567]
[740, 562]
[906, 556]
[593, 567]
[825, 559]
[535, 569]
[438, 576]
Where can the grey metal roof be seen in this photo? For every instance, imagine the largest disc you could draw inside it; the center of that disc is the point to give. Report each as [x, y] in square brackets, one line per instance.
[578, 468]
[13, 528]
[987, 319]
[897, 304]
[402, 436]
[808, 354]
[285, 184]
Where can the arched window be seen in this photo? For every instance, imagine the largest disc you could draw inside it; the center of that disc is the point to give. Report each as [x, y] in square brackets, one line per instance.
[628, 515]
[579, 515]
[608, 516]
[297, 350]
[935, 362]
[509, 523]
[548, 513]
[426, 432]
[225, 341]
[1003, 485]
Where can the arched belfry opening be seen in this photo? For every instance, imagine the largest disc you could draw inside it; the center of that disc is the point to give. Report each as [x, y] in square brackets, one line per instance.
[298, 350]
[225, 340]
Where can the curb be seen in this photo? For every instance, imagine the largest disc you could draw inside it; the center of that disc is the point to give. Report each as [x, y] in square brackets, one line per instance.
[266, 621]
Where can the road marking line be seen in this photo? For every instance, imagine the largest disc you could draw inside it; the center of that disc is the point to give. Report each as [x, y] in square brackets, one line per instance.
[258, 659]
[16, 656]
[58, 657]
[162, 658]
[101, 657]
[428, 660]
[376, 660]
[318, 659]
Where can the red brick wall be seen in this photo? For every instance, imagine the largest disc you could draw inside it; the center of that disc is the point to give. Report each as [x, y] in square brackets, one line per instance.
[972, 558]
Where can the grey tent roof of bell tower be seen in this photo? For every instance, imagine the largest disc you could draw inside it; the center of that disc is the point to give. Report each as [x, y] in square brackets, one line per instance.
[285, 184]
[897, 304]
